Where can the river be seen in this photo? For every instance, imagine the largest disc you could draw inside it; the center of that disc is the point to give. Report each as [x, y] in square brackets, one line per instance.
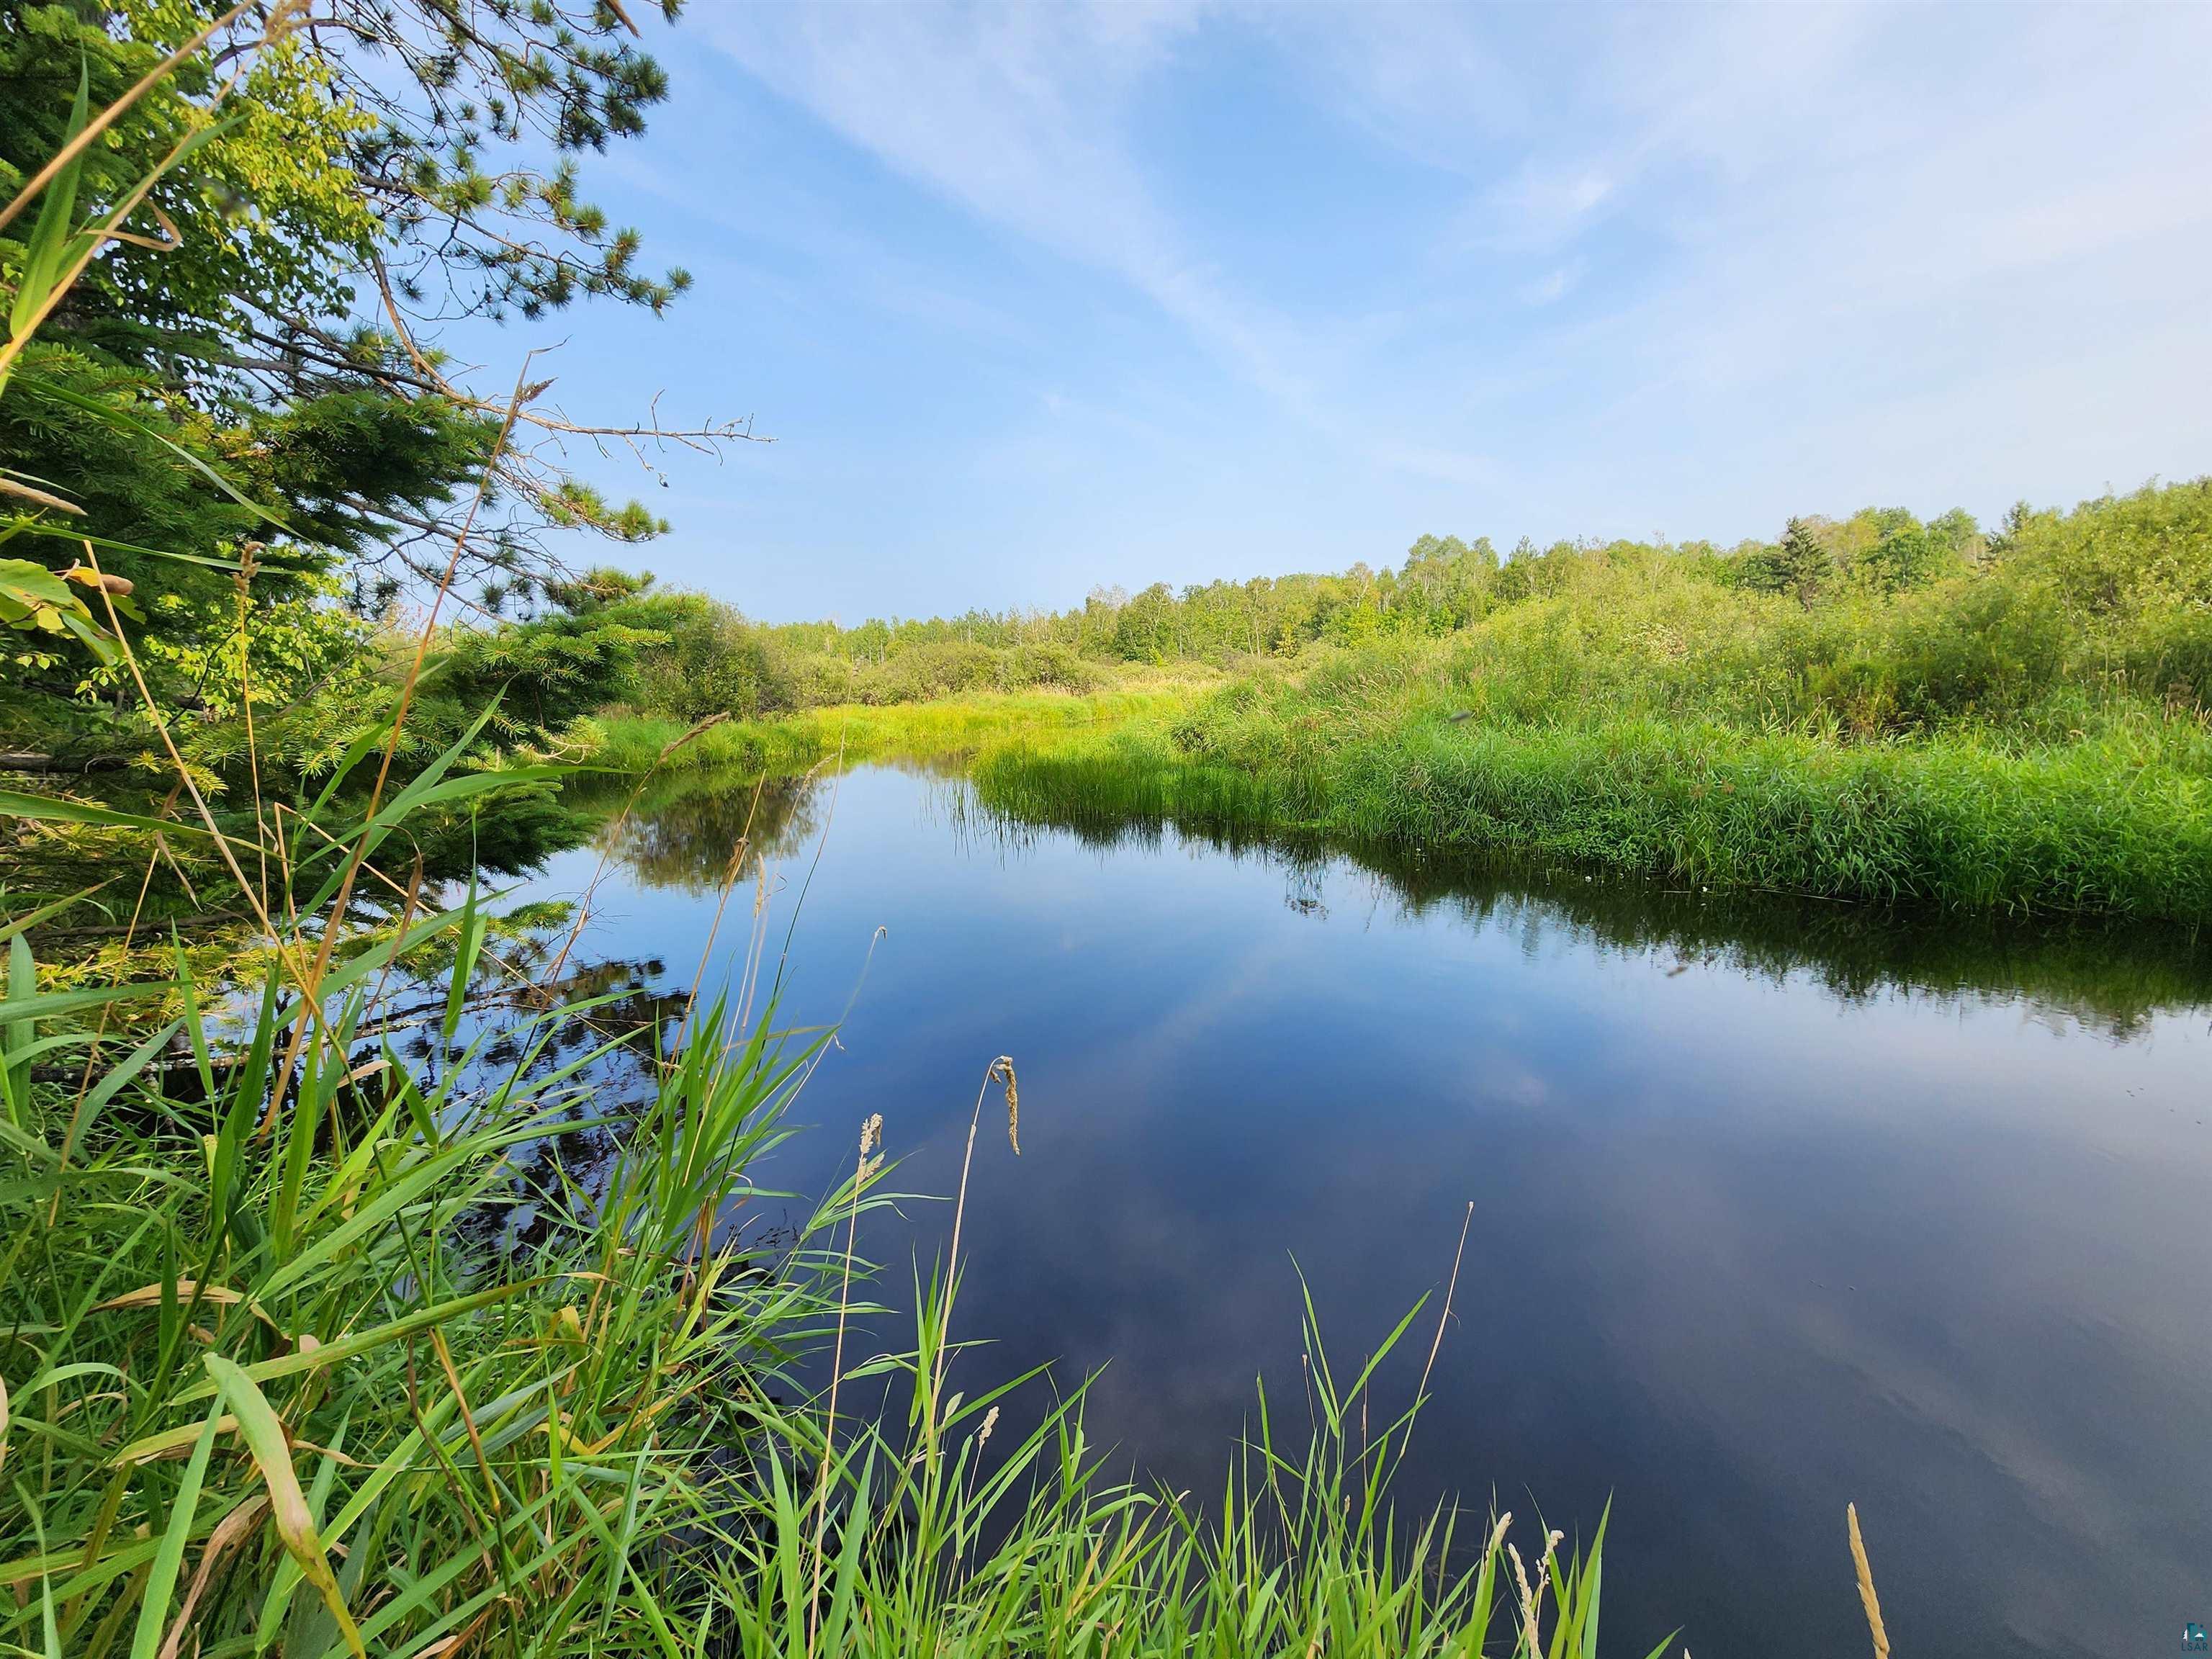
[1775, 1206]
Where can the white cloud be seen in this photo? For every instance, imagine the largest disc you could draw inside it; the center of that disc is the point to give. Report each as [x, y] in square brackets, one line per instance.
[1426, 80]
[1021, 115]
[1553, 285]
[1801, 244]
[1542, 205]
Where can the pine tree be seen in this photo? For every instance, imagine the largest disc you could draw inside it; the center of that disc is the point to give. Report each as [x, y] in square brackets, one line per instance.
[1798, 564]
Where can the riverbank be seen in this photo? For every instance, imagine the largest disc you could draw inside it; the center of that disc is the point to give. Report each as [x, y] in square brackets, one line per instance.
[1383, 749]
[1872, 710]
[642, 744]
[2110, 825]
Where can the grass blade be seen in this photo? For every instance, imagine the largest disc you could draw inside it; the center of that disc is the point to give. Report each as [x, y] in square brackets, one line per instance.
[162, 1582]
[288, 1504]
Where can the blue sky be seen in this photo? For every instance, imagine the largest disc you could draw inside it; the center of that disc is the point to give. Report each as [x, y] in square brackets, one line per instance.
[1035, 298]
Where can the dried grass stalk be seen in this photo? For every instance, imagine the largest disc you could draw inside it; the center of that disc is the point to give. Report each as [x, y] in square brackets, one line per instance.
[1867, 1596]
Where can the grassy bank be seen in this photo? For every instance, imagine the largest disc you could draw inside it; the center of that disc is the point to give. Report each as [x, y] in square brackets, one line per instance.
[2094, 826]
[1389, 748]
[2022, 726]
[638, 743]
[2111, 973]
[380, 1370]
[1873, 709]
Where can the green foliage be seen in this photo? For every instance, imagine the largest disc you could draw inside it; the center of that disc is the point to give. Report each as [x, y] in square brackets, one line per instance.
[945, 668]
[450, 164]
[2088, 827]
[408, 128]
[544, 673]
[110, 440]
[33, 599]
[615, 643]
[242, 457]
[2023, 724]
[283, 169]
[2133, 574]
[1445, 585]
[613, 639]
[938, 730]
[466, 1411]
[2021, 721]
[710, 661]
[1798, 565]
[307, 233]
[345, 464]
[1909, 554]
[179, 502]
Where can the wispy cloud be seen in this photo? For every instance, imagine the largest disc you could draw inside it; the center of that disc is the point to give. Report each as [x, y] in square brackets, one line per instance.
[1431, 82]
[1542, 205]
[1553, 285]
[1555, 270]
[1022, 115]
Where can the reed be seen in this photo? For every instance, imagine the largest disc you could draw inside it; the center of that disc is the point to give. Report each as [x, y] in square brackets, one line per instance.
[2103, 824]
[296, 1393]
[318, 1340]
[636, 744]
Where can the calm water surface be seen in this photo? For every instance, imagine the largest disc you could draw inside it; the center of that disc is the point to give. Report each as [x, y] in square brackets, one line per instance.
[1774, 1208]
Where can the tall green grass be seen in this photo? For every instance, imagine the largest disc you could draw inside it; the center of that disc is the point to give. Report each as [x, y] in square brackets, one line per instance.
[1385, 751]
[256, 1328]
[277, 1383]
[2113, 974]
[637, 744]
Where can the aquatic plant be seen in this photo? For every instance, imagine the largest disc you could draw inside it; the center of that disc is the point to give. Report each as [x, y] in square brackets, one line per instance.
[1376, 752]
[635, 744]
[284, 1307]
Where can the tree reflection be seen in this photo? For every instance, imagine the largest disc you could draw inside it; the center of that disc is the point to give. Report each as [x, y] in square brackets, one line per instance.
[2110, 976]
[686, 832]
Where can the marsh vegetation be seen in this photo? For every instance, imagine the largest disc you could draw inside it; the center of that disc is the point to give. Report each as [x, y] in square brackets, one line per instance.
[314, 1340]
[387, 1268]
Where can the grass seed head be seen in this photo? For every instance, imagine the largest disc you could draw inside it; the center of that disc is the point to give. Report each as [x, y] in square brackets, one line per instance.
[1002, 1071]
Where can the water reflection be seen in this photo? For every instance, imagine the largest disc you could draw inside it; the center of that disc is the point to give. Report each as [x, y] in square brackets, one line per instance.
[1777, 1205]
[2113, 977]
[685, 833]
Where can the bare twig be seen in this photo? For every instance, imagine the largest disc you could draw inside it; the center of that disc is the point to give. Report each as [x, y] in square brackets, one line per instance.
[359, 851]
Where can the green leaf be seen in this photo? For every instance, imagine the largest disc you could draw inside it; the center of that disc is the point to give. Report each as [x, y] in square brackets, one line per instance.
[162, 1582]
[43, 253]
[30, 585]
[331, 1354]
[24, 924]
[14, 804]
[109, 415]
[473, 923]
[137, 550]
[288, 1504]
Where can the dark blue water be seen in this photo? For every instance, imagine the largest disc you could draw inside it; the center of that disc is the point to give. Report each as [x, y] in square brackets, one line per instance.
[1775, 1207]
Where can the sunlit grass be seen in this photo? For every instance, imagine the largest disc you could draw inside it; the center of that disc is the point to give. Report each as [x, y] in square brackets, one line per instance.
[288, 1388]
[2099, 824]
[951, 727]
